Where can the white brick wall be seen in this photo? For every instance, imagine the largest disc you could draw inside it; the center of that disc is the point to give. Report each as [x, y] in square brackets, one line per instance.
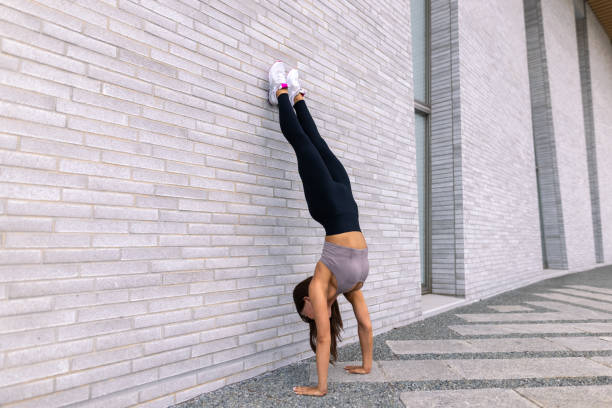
[500, 198]
[600, 54]
[152, 218]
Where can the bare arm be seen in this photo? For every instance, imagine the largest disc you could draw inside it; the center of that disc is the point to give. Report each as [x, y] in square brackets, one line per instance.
[316, 293]
[364, 329]
[319, 304]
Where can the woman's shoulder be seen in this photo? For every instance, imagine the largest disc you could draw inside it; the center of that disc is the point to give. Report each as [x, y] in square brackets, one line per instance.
[325, 276]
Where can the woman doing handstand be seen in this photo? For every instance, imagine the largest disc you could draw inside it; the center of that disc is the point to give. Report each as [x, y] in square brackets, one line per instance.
[343, 266]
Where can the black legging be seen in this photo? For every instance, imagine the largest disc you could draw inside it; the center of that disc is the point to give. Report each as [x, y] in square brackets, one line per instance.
[326, 185]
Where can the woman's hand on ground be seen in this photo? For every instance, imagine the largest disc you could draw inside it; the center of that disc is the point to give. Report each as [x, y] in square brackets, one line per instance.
[309, 391]
[357, 370]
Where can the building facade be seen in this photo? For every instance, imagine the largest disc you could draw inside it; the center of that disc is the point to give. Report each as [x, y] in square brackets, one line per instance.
[153, 222]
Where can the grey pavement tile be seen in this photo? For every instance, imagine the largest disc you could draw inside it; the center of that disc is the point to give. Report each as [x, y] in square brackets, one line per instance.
[591, 396]
[430, 346]
[386, 371]
[508, 317]
[510, 308]
[468, 329]
[584, 293]
[469, 398]
[514, 344]
[529, 368]
[590, 288]
[572, 310]
[605, 360]
[582, 343]
[497, 345]
[607, 307]
[337, 373]
[594, 327]
[418, 370]
[457, 369]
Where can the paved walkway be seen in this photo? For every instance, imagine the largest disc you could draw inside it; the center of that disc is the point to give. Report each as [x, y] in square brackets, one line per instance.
[545, 345]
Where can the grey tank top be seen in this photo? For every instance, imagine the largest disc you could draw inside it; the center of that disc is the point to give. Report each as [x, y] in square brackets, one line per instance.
[349, 265]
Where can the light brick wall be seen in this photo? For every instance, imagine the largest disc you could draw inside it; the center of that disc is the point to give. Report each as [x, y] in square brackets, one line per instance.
[600, 54]
[567, 114]
[152, 217]
[500, 198]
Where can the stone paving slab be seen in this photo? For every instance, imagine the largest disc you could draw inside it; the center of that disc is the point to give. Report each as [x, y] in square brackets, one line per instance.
[472, 398]
[337, 373]
[584, 293]
[529, 368]
[510, 308]
[476, 369]
[593, 396]
[384, 371]
[509, 317]
[527, 328]
[418, 370]
[590, 288]
[590, 396]
[583, 312]
[430, 346]
[606, 360]
[583, 343]
[503, 345]
[594, 327]
[579, 301]
[480, 329]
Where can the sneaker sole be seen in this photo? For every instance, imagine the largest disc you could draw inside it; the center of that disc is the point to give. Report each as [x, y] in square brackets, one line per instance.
[271, 93]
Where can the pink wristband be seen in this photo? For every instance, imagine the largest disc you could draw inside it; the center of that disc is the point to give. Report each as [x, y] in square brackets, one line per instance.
[283, 86]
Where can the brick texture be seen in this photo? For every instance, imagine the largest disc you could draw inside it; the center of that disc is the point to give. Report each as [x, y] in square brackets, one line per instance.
[152, 218]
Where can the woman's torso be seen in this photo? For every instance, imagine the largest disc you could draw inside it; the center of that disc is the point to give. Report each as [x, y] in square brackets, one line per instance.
[351, 239]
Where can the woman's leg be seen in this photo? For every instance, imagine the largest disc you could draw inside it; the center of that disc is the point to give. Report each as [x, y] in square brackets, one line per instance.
[312, 169]
[336, 169]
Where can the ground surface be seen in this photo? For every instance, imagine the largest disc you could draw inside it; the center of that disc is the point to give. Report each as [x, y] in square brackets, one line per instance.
[545, 345]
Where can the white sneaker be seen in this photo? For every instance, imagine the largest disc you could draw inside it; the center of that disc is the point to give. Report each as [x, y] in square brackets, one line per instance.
[293, 84]
[276, 80]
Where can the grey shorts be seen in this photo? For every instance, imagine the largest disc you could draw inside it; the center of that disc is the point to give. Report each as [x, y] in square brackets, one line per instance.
[349, 265]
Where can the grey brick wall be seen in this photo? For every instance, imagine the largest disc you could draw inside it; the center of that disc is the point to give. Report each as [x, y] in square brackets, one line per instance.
[554, 252]
[589, 132]
[152, 217]
[600, 64]
[565, 95]
[447, 244]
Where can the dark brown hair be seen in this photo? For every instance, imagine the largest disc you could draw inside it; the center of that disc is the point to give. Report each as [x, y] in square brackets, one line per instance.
[335, 321]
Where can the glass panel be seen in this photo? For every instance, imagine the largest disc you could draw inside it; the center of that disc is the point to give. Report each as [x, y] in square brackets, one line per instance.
[418, 10]
[420, 135]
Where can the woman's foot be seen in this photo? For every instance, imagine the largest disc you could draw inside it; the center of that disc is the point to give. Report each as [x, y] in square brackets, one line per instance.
[276, 80]
[296, 92]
